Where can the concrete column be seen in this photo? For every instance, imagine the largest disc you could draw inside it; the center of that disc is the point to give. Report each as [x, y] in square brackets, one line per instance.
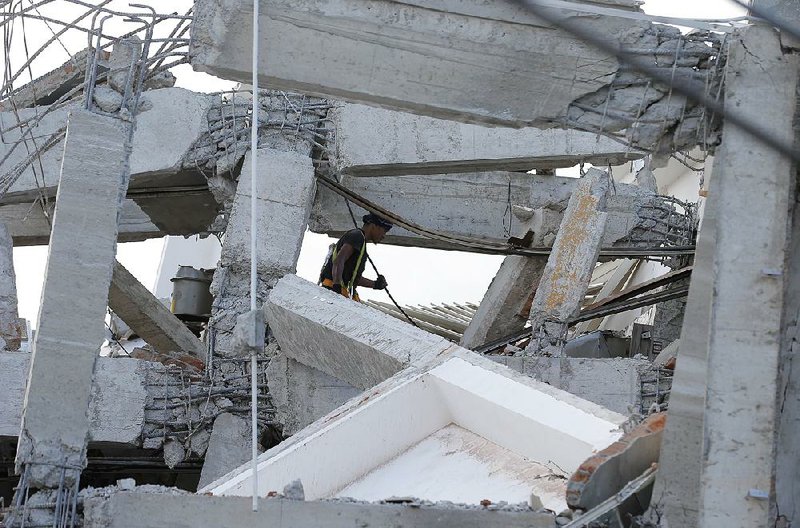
[10, 329]
[676, 491]
[285, 195]
[286, 191]
[787, 478]
[569, 267]
[502, 309]
[740, 421]
[94, 179]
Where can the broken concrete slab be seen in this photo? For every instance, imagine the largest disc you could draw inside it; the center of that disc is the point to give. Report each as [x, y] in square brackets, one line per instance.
[362, 54]
[372, 141]
[11, 329]
[607, 472]
[455, 396]
[303, 394]
[228, 448]
[342, 338]
[747, 302]
[51, 86]
[569, 268]
[150, 319]
[139, 510]
[285, 194]
[473, 204]
[612, 383]
[94, 178]
[118, 398]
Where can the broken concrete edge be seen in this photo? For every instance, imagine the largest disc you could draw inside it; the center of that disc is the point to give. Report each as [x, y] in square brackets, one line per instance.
[306, 320]
[401, 379]
[129, 509]
[608, 471]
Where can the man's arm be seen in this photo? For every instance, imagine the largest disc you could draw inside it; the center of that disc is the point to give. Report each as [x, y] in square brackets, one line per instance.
[377, 284]
[366, 283]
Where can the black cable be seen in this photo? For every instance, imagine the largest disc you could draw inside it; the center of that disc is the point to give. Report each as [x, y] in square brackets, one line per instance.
[689, 89]
[375, 268]
[479, 245]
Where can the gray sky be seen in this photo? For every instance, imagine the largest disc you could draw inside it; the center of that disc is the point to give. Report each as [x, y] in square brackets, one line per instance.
[416, 276]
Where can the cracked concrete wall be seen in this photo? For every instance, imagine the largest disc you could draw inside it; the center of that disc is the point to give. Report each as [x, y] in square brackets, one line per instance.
[94, 178]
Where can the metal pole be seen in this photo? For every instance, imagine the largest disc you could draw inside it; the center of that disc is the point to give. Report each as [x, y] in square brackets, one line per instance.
[253, 257]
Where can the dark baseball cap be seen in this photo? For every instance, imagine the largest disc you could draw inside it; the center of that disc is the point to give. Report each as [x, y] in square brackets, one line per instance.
[372, 218]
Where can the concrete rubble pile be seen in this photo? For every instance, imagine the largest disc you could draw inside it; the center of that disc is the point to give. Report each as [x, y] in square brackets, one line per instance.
[629, 365]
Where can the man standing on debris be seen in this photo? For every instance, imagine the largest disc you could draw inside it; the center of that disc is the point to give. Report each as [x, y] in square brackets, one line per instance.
[347, 258]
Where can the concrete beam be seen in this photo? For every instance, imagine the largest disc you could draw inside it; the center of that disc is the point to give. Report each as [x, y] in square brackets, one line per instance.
[94, 178]
[378, 142]
[158, 183]
[472, 205]
[747, 302]
[566, 277]
[502, 310]
[149, 318]
[342, 338]
[139, 510]
[348, 50]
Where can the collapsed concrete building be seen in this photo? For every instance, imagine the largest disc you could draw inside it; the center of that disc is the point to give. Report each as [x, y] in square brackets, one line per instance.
[629, 365]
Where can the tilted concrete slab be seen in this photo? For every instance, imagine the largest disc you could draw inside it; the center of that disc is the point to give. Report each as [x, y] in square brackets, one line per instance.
[94, 178]
[741, 418]
[343, 338]
[459, 393]
[612, 383]
[473, 205]
[139, 510]
[427, 57]
[149, 318]
[378, 142]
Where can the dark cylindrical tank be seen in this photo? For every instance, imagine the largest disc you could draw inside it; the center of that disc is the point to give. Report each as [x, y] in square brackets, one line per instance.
[191, 296]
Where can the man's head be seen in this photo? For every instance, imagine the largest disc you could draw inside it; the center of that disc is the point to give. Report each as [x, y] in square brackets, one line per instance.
[375, 227]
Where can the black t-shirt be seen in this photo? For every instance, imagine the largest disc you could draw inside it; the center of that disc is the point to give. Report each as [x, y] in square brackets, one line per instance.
[357, 239]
